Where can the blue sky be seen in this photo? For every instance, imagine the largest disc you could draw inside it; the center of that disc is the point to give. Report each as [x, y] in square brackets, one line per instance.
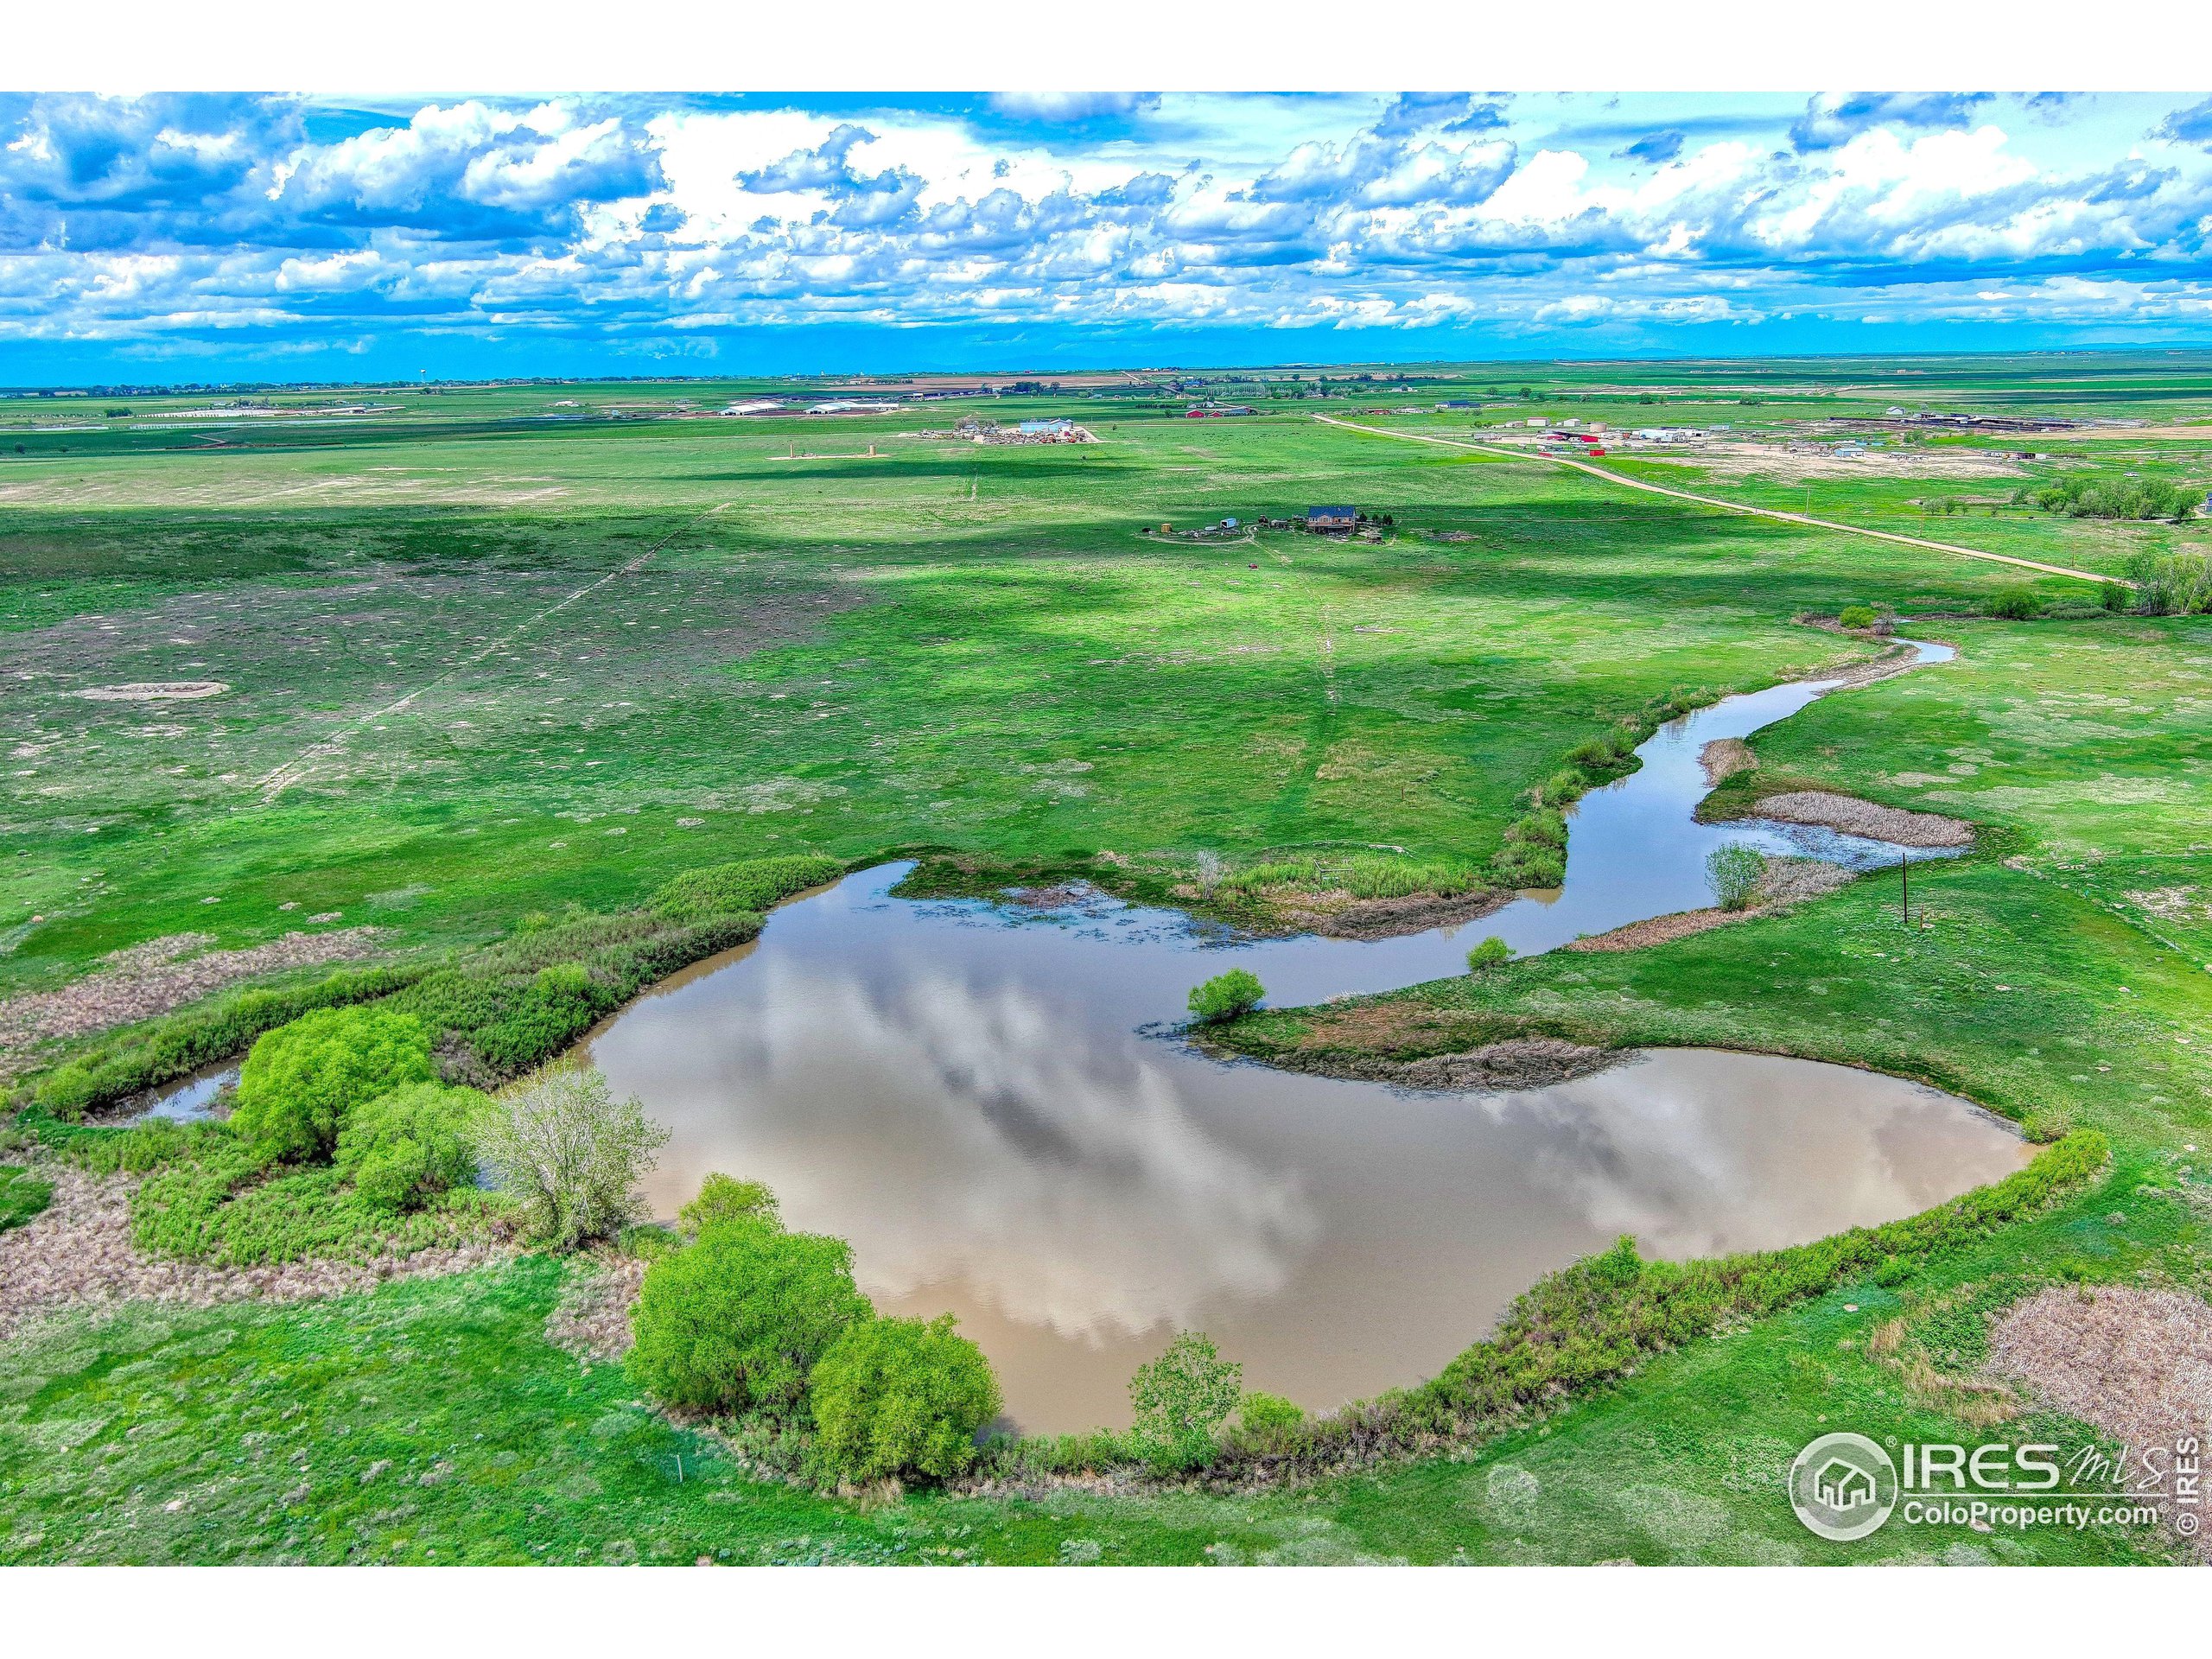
[204, 237]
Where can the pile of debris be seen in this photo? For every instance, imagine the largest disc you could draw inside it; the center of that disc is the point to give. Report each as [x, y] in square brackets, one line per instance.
[974, 429]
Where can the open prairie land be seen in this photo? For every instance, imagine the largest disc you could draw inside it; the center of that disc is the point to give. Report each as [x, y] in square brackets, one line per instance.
[379, 690]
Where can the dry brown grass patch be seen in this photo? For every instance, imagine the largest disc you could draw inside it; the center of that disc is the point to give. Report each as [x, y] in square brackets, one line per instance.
[2136, 1363]
[78, 1253]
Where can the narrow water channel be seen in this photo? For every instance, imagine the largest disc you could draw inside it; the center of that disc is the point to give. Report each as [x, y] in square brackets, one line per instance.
[989, 1102]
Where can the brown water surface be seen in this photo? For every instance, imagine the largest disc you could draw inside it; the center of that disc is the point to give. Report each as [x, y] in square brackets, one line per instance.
[987, 1104]
[992, 1106]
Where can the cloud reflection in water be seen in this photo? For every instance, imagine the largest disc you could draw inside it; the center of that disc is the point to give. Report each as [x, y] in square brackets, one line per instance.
[970, 1103]
[953, 1130]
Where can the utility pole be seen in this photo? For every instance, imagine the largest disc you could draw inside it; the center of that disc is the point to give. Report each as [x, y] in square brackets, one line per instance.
[1905, 884]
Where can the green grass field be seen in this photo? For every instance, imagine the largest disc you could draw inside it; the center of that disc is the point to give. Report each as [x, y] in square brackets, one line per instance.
[481, 662]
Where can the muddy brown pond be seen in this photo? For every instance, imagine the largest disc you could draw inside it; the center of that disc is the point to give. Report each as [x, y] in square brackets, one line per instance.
[990, 1101]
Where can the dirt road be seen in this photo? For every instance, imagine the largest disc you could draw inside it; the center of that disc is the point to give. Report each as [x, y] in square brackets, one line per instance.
[1728, 507]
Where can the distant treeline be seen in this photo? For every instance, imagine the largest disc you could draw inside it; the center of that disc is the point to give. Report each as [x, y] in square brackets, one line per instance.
[2116, 497]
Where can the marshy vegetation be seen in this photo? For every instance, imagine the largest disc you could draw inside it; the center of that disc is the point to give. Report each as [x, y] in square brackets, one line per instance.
[1361, 875]
[1535, 851]
[491, 1012]
[358, 1128]
[884, 666]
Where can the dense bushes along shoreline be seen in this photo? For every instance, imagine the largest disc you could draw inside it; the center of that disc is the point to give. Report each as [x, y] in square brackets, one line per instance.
[359, 1127]
[343, 1144]
[766, 1329]
[347, 1141]
[1587, 1325]
[493, 1012]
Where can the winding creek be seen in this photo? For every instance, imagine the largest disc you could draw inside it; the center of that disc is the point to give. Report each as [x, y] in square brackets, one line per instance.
[990, 1102]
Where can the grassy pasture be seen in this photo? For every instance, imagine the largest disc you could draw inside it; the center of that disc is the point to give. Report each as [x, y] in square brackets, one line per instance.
[478, 702]
[974, 649]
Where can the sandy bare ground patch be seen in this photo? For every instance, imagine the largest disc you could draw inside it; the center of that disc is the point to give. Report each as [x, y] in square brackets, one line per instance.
[1864, 670]
[2136, 1363]
[1725, 757]
[1749, 460]
[1336, 915]
[593, 1320]
[2183, 904]
[157, 976]
[79, 1254]
[1659, 930]
[154, 692]
[1787, 881]
[1856, 817]
[1385, 918]
[1513, 1063]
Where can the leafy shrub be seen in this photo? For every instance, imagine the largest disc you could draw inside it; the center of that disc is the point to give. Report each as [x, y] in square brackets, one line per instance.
[182, 1043]
[1269, 1426]
[1267, 1414]
[569, 1152]
[560, 1003]
[179, 1209]
[1735, 871]
[401, 1149]
[723, 1200]
[1491, 951]
[2015, 604]
[1856, 616]
[2112, 595]
[1590, 761]
[900, 1398]
[1545, 828]
[1226, 995]
[300, 1080]
[69, 1091]
[23, 1195]
[1180, 1400]
[736, 1321]
[647, 1242]
[1534, 853]
[752, 884]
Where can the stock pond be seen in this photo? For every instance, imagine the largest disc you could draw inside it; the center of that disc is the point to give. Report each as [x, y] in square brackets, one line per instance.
[990, 1103]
